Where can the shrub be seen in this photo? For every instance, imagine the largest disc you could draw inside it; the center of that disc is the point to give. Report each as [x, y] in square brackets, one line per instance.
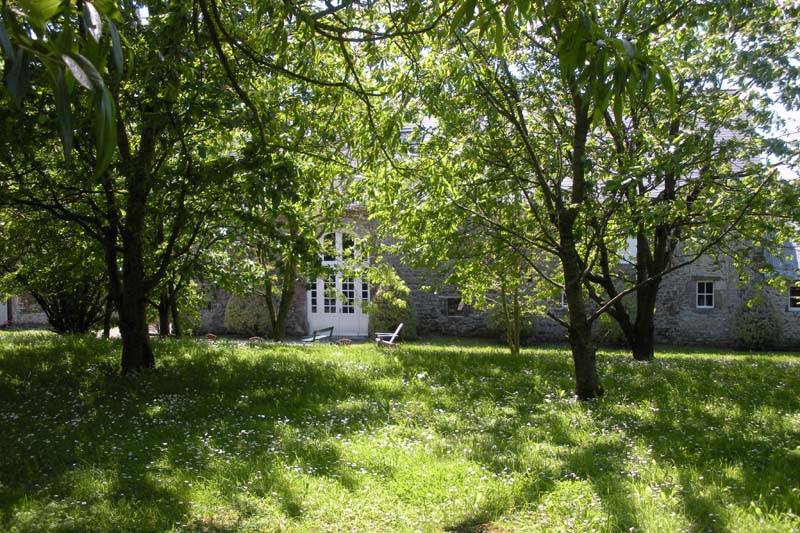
[757, 325]
[497, 325]
[247, 315]
[390, 306]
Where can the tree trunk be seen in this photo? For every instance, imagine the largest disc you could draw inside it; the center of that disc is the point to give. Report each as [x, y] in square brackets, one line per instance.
[511, 319]
[584, 357]
[163, 314]
[643, 342]
[287, 298]
[109, 308]
[137, 354]
[176, 317]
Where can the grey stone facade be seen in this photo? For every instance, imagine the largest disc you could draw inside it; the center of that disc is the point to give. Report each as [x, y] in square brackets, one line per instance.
[23, 311]
[678, 319]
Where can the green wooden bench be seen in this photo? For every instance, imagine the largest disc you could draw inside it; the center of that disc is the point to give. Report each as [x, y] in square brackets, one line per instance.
[319, 335]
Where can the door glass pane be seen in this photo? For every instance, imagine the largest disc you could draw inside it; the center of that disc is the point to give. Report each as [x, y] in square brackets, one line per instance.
[329, 298]
[349, 295]
[348, 246]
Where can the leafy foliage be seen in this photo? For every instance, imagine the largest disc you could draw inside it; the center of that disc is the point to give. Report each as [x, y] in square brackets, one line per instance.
[391, 305]
[757, 324]
[64, 273]
[247, 315]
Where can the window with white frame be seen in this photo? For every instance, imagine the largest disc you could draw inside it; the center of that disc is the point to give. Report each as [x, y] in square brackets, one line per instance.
[705, 294]
[794, 297]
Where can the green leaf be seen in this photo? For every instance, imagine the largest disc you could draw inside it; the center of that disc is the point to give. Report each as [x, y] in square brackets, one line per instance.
[464, 14]
[8, 50]
[105, 132]
[40, 11]
[569, 47]
[93, 21]
[116, 51]
[666, 83]
[19, 77]
[64, 114]
[84, 71]
[510, 25]
[629, 47]
[109, 9]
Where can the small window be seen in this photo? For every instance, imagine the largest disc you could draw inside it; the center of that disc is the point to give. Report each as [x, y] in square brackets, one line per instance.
[794, 297]
[454, 306]
[705, 294]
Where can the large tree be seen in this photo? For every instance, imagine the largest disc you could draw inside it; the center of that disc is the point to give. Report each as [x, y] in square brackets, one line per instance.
[155, 111]
[171, 125]
[564, 119]
[523, 127]
[694, 175]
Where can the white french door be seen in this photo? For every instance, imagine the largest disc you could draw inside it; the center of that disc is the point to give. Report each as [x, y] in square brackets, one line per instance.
[338, 300]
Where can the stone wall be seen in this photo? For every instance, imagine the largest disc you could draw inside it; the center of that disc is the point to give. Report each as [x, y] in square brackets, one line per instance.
[212, 315]
[25, 311]
[679, 321]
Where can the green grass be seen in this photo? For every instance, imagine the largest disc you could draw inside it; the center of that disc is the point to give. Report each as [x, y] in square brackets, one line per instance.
[427, 437]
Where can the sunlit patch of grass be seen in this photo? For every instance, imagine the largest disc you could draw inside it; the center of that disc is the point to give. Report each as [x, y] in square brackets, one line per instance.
[431, 436]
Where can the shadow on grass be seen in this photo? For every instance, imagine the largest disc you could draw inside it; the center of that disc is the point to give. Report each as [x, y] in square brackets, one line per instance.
[204, 413]
[708, 414]
[254, 420]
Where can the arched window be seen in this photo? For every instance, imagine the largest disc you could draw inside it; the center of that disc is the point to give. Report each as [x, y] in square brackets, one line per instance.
[329, 247]
[348, 246]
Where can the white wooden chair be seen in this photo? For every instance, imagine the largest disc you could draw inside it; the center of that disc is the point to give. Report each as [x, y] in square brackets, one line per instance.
[388, 339]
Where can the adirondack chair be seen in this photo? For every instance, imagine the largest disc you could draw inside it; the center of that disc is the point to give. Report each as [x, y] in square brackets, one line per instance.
[319, 335]
[388, 339]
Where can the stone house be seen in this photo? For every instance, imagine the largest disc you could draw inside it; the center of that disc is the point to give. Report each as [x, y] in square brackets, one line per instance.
[697, 305]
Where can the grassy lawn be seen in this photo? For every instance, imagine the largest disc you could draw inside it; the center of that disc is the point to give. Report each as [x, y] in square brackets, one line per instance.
[429, 437]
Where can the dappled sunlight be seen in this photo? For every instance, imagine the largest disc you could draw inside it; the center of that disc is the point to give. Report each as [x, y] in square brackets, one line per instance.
[430, 436]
